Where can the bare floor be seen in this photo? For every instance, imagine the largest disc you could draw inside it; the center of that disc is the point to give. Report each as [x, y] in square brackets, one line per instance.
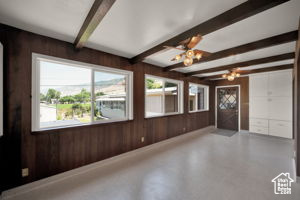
[195, 166]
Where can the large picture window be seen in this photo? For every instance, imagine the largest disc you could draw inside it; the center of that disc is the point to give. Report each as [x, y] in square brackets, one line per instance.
[67, 93]
[163, 96]
[198, 97]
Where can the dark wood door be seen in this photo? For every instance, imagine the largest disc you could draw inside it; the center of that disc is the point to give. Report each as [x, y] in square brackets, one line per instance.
[228, 108]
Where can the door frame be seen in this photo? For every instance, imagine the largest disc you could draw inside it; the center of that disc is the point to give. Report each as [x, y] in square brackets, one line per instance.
[216, 102]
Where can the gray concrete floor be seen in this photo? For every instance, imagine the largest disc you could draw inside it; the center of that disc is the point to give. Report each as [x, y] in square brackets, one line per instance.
[197, 166]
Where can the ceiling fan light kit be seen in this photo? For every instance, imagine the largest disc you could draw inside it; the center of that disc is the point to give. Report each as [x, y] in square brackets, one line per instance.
[189, 54]
[232, 74]
[188, 61]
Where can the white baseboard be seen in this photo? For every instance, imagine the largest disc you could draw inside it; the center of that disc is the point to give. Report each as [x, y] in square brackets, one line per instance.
[59, 177]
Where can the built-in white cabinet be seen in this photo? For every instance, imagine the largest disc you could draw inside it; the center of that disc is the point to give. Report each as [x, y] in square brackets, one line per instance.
[280, 108]
[259, 107]
[258, 85]
[270, 103]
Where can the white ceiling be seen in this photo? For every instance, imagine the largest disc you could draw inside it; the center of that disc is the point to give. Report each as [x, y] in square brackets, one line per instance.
[133, 26]
[275, 21]
[261, 53]
[272, 64]
[60, 19]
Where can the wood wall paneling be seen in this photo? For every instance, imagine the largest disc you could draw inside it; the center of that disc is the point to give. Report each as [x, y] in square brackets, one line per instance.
[51, 152]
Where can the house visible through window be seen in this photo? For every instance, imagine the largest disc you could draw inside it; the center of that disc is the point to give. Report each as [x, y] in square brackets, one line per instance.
[163, 96]
[198, 97]
[67, 93]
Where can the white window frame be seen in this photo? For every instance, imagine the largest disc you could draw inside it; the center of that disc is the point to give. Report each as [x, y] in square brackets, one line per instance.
[180, 95]
[206, 97]
[35, 92]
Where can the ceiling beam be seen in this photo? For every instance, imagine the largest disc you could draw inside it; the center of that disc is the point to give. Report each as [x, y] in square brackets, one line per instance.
[259, 61]
[238, 13]
[253, 71]
[260, 44]
[99, 9]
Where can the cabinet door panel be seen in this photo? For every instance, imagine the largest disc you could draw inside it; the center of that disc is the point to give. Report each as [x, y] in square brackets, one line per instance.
[280, 108]
[258, 129]
[258, 107]
[280, 84]
[280, 128]
[259, 122]
[258, 85]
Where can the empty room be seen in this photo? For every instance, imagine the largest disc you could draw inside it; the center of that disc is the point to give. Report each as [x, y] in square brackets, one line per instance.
[149, 100]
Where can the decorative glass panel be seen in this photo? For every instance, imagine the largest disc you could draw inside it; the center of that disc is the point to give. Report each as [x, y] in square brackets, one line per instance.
[227, 98]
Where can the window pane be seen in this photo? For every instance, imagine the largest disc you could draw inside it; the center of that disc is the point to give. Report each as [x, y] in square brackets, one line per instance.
[65, 95]
[192, 97]
[200, 98]
[171, 97]
[154, 97]
[110, 96]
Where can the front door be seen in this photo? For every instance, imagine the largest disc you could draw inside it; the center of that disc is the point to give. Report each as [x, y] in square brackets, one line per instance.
[228, 108]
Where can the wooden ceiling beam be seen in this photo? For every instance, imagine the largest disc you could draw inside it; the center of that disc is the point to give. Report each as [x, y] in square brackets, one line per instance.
[98, 11]
[259, 61]
[260, 44]
[253, 71]
[238, 13]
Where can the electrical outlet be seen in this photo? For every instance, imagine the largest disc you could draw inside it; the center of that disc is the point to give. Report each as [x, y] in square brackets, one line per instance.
[142, 139]
[25, 172]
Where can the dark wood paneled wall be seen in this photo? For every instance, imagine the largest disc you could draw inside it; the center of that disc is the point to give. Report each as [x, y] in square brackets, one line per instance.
[56, 151]
[244, 95]
[296, 102]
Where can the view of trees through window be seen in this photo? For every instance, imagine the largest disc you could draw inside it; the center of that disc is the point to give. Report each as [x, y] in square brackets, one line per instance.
[66, 96]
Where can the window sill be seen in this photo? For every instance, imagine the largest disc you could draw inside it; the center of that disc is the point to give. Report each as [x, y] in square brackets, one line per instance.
[164, 115]
[79, 126]
[196, 111]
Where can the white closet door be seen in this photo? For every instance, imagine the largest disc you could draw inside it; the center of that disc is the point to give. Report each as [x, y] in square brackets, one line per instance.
[280, 108]
[258, 85]
[280, 84]
[259, 107]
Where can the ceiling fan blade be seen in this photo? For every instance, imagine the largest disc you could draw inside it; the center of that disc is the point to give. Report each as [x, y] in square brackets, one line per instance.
[169, 47]
[194, 41]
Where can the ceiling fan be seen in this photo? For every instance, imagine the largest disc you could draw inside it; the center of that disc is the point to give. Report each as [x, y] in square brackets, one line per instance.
[234, 73]
[189, 53]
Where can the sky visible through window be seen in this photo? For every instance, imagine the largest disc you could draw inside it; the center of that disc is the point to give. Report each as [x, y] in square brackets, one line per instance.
[55, 75]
